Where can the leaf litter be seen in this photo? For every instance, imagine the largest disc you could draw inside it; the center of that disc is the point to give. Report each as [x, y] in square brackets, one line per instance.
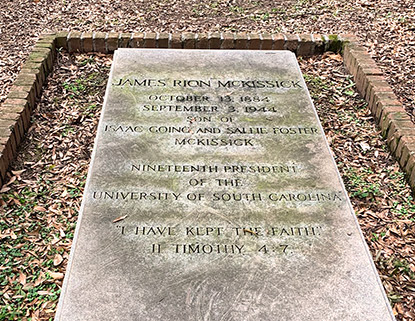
[39, 210]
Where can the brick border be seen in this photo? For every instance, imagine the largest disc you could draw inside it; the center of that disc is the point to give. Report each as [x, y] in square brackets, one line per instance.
[395, 124]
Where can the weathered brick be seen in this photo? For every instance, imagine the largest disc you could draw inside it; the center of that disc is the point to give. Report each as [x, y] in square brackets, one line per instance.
[319, 45]
[42, 58]
[49, 45]
[4, 164]
[44, 53]
[254, 41]
[189, 40]
[291, 42]
[266, 41]
[412, 178]
[6, 148]
[202, 41]
[241, 40]
[386, 107]
[112, 42]
[373, 92]
[305, 46]
[31, 98]
[214, 40]
[175, 41]
[124, 40]
[163, 40]
[87, 42]
[14, 94]
[380, 96]
[50, 37]
[74, 41]
[278, 41]
[137, 40]
[29, 80]
[61, 40]
[40, 76]
[398, 129]
[37, 68]
[150, 40]
[99, 42]
[365, 77]
[8, 130]
[351, 56]
[388, 118]
[410, 163]
[405, 146]
[20, 107]
[17, 120]
[228, 40]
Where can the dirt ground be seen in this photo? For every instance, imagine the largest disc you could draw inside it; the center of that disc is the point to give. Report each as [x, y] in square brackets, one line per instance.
[39, 205]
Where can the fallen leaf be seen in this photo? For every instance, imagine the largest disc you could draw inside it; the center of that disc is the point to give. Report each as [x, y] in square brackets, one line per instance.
[119, 218]
[58, 259]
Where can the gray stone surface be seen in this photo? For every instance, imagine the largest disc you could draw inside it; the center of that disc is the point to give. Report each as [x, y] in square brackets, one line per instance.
[212, 195]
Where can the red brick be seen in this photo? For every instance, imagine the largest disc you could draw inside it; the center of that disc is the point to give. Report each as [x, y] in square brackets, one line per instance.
[137, 41]
[291, 42]
[7, 132]
[410, 163]
[373, 92]
[112, 42]
[61, 40]
[254, 41]
[87, 44]
[163, 40]
[150, 40]
[74, 41]
[388, 118]
[14, 94]
[176, 41]
[351, 57]
[305, 46]
[214, 40]
[202, 41]
[398, 129]
[42, 57]
[124, 40]
[241, 40]
[29, 80]
[6, 149]
[406, 146]
[319, 44]
[189, 40]
[266, 41]
[47, 45]
[386, 107]
[99, 42]
[4, 164]
[365, 77]
[412, 178]
[278, 41]
[20, 107]
[228, 40]
[15, 119]
[381, 96]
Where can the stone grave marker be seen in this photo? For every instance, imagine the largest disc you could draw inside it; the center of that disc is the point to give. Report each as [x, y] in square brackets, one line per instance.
[212, 195]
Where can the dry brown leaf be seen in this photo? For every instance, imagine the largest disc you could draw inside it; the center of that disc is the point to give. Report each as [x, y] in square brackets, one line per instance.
[120, 218]
[56, 275]
[57, 260]
[22, 278]
[39, 208]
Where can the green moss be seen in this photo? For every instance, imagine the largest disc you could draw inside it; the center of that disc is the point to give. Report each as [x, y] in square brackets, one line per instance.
[335, 44]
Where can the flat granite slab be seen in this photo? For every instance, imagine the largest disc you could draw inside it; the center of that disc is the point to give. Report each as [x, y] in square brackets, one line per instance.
[213, 195]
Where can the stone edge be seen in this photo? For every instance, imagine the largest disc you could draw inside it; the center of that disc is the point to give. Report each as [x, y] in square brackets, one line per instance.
[395, 124]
